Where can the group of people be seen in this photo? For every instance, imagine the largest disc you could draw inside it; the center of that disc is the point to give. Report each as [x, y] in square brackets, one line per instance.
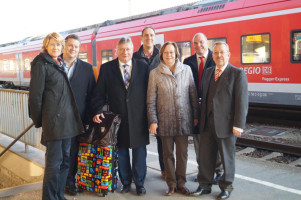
[154, 93]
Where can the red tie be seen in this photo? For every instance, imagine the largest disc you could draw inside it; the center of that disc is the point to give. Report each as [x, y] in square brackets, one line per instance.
[201, 69]
[217, 71]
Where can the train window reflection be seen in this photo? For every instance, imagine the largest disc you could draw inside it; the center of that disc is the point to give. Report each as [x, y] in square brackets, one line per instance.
[256, 48]
[83, 56]
[211, 41]
[184, 49]
[27, 64]
[296, 46]
[106, 55]
[11, 65]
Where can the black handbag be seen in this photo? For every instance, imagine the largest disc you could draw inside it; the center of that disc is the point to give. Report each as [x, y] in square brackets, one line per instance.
[104, 133]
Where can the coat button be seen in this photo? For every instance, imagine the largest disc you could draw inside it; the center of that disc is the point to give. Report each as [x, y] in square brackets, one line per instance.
[58, 115]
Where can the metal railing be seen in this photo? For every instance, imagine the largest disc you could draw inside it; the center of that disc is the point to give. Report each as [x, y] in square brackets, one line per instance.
[14, 118]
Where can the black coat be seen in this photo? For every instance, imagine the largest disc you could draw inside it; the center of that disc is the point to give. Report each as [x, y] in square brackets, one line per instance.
[51, 101]
[82, 83]
[193, 63]
[152, 62]
[130, 104]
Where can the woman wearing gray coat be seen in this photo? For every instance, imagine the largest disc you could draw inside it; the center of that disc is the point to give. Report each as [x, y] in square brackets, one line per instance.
[172, 113]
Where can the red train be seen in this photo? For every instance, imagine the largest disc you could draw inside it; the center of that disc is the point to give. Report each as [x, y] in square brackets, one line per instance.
[264, 38]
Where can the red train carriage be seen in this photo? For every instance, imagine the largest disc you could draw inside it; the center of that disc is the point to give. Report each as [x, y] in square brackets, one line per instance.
[264, 38]
[15, 59]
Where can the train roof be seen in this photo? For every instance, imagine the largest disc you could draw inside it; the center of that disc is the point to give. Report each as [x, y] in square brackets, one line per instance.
[216, 11]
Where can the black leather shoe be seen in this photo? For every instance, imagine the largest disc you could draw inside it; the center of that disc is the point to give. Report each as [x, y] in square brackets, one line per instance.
[200, 191]
[125, 188]
[71, 190]
[224, 195]
[216, 179]
[140, 190]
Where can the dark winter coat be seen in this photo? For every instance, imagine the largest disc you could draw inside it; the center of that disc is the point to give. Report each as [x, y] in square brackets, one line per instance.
[130, 104]
[152, 62]
[51, 102]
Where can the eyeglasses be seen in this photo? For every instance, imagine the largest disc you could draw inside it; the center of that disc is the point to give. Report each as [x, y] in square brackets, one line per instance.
[125, 50]
[222, 52]
[168, 52]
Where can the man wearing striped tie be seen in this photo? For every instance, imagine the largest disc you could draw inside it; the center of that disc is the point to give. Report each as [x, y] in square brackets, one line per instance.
[123, 84]
[224, 109]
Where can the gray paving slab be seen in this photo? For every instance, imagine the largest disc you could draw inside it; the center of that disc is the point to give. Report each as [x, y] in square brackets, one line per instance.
[255, 179]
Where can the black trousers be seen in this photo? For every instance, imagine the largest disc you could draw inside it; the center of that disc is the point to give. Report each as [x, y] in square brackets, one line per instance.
[160, 152]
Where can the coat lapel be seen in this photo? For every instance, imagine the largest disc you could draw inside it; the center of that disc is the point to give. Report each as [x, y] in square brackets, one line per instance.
[209, 58]
[207, 80]
[195, 63]
[116, 70]
[134, 74]
[76, 70]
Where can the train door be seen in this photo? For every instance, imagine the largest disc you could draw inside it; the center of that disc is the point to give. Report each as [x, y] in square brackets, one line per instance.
[19, 70]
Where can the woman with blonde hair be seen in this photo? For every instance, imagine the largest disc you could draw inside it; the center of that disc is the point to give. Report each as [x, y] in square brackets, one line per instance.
[172, 107]
[53, 107]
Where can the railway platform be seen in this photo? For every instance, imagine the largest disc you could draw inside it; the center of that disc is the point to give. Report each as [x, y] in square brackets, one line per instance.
[255, 179]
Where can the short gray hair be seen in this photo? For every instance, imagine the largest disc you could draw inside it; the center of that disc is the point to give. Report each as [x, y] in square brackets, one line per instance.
[125, 40]
[200, 34]
[221, 43]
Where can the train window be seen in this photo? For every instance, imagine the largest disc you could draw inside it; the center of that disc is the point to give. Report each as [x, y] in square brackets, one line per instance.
[106, 55]
[27, 64]
[83, 56]
[11, 65]
[296, 46]
[5, 65]
[184, 49]
[256, 48]
[211, 41]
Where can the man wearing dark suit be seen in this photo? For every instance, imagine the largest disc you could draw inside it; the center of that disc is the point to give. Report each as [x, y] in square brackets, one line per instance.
[149, 54]
[123, 83]
[198, 62]
[224, 109]
[82, 81]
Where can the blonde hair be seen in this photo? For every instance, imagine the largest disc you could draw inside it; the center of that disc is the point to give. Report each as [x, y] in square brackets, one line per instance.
[56, 36]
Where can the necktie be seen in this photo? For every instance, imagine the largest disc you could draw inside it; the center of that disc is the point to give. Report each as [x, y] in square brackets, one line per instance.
[126, 76]
[201, 69]
[217, 71]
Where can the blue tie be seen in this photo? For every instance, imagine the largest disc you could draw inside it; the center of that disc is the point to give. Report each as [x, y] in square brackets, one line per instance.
[126, 76]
